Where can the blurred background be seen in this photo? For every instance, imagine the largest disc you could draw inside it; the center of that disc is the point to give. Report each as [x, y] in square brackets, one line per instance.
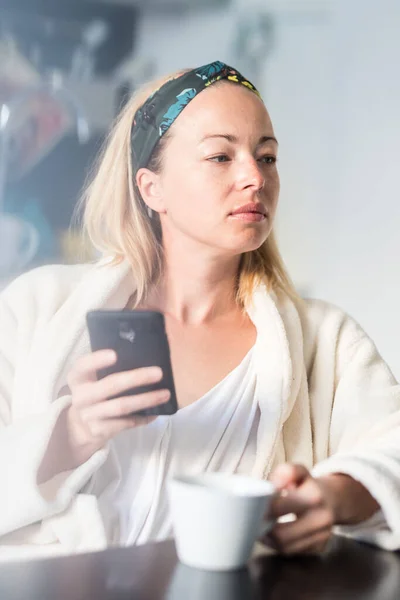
[328, 71]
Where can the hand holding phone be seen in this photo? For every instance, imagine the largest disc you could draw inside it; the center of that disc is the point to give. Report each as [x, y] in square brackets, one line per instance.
[125, 382]
[93, 419]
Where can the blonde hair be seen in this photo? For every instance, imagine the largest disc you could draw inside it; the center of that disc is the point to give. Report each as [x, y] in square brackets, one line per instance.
[116, 221]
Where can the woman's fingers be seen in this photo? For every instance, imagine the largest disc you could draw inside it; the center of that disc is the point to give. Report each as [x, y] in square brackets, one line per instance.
[306, 496]
[287, 504]
[289, 476]
[124, 405]
[86, 367]
[309, 524]
[116, 384]
[303, 496]
[93, 418]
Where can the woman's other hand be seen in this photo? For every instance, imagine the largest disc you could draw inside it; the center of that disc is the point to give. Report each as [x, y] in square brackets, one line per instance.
[315, 504]
[305, 499]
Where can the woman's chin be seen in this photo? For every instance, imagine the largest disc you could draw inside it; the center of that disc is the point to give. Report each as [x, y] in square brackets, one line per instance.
[254, 243]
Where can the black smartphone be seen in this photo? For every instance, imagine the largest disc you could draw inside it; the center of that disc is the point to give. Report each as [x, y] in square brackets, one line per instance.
[139, 340]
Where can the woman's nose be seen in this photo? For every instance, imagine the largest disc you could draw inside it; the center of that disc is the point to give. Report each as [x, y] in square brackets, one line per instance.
[250, 176]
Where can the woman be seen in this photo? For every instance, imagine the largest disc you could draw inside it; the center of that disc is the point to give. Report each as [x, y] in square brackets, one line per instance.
[182, 208]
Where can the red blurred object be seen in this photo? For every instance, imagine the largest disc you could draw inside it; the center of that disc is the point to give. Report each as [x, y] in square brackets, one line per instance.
[34, 119]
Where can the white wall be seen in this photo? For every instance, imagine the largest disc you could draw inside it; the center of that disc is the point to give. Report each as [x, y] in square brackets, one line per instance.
[192, 39]
[332, 87]
[366, 274]
[298, 92]
[335, 97]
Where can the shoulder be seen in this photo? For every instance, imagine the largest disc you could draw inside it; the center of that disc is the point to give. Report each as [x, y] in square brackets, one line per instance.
[315, 321]
[48, 274]
[324, 327]
[331, 334]
[48, 278]
[47, 286]
[321, 318]
[314, 314]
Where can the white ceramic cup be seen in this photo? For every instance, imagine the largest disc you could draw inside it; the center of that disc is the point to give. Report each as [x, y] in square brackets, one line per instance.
[217, 518]
[199, 584]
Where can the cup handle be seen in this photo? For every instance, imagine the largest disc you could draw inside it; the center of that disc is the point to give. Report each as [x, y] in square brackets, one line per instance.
[267, 526]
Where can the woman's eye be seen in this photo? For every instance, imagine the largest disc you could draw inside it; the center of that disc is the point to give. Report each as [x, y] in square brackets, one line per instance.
[268, 159]
[219, 158]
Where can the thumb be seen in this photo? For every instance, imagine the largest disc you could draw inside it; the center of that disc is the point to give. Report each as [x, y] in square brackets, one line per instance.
[288, 476]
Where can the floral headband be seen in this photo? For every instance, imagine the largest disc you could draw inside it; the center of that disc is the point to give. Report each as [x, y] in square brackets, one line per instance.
[163, 107]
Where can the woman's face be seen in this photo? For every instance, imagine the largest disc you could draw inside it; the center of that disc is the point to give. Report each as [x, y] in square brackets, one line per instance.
[221, 157]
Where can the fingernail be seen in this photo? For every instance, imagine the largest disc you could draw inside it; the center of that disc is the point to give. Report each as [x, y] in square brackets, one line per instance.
[165, 395]
[111, 355]
[156, 373]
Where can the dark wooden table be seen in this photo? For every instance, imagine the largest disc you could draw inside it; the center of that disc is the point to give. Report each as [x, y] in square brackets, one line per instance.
[349, 572]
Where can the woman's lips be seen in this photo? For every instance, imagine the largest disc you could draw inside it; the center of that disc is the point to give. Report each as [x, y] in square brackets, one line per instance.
[250, 212]
[250, 217]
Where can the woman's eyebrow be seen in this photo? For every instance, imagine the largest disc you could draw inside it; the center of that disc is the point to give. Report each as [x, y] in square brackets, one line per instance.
[234, 139]
[267, 138]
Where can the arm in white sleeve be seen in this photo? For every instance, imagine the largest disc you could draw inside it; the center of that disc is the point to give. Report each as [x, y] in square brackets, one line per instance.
[23, 443]
[364, 440]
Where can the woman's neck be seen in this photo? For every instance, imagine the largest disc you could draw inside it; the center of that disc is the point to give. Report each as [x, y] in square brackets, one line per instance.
[196, 291]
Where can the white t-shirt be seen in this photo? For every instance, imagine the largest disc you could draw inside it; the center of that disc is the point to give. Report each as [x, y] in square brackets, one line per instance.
[218, 432]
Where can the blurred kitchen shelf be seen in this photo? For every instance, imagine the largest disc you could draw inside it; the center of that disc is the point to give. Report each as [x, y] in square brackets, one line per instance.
[164, 6]
[53, 30]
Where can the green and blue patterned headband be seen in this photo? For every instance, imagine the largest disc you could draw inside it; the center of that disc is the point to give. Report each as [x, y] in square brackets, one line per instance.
[163, 107]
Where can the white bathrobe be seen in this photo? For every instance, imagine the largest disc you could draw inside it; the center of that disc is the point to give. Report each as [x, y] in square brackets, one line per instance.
[331, 403]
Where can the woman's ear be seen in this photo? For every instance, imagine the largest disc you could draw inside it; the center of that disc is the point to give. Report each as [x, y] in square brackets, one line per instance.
[149, 186]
